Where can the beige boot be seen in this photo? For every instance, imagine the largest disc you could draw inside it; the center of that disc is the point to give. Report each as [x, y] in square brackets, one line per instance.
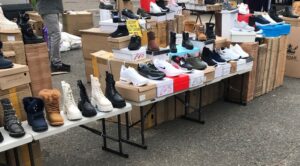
[5, 24]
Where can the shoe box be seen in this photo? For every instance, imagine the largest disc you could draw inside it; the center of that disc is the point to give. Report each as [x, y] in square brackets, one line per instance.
[104, 15]
[15, 76]
[163, 87]
[170, 15]
[10, 35]
[224, 22]
[135, 93]
[162, 54]
[179, 21]
[119, 43]
[37, 26]
[73, 21]
[241, 37]
[161, 18]
[209, 73]
[182, 51]
[237, 66]
[181, 82]
[128, 55]
[218, 71]
[16, 51]
[108, 25]
[225, 68]
[160, 29]
[176, 9]
[196, 78]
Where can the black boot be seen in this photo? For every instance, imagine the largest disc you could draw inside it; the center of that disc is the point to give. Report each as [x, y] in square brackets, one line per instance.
[4, 63]
[288, 12]
[135, 43]
[1, 137]
[28, 35]
[161, 4]
[173, 42]
[120, 32]
[112, 94]
[210, 31]
[116, 16]
[273, 14]
[84, 103]
[186, 41]
[11, 123]
[129, 14]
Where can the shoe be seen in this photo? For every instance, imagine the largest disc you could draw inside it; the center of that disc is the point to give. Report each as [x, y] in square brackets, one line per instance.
[210, 2]
[172, 3]
[105, 4]
[207, 57]
[217, 58]
[267, 17]
[186, 42]
[288, 12]
[182, 63]
[228, 54]
[4, 63]
[5, 24]
[60, 69]
[34, 108]
[161, 4]
[116, 17]
[98, 99]
[227, 6]
[149, 72]
[196, 62]
[210, 34]
[69, 106]
[51, 101]
[129, 14]
[261, 20]
[29, 37]
[152, 45]
[154, 8]
[84, 104]
[238, 50]
[143, 13]
[243, 9]
[120, 32]
[172, 43]
[130, 75]
[135, 43]
[199, 31]
[273, 14]
[112, 94]
[167, 68]
[11, 123]
[1, 137]
[242, 26]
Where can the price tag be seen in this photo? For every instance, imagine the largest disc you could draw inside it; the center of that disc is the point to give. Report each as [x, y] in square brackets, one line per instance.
[133, 27]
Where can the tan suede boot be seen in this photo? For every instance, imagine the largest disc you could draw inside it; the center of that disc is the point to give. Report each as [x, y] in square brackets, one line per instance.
[51, 100]
[152, 45]
[199, 31]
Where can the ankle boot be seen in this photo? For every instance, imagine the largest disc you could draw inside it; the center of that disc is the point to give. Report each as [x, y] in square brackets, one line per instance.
[69, 106]
[112, 94]
[51, 101]
[273, 14]
[135, 43]
[1, 137]
[288, 12]
[34, 108]
[121, 31]
[5, 63]
[173, 42]
[5, 24]
[84, 103]
[28, 35]
[11, 123]
[98, 99]
[152, 45]
[186, 41]
[210, 31]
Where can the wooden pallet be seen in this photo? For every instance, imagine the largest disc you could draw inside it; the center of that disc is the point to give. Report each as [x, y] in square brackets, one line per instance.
[261, 61]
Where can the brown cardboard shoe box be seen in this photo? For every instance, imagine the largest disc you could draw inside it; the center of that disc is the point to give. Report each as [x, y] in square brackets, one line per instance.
[78, 20]
[233, 68]
[10, 35]
[33, 15]
[12, 77]
[135, 93]
[209, 73]
[18, 48]
[120, 42]
[37, 26]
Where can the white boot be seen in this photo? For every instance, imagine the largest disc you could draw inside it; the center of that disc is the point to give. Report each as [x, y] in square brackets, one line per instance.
[69, 105]
[5, 24]
[98, 99]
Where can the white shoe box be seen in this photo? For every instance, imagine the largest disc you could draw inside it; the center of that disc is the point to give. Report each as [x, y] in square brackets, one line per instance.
[240, 37]
[226, 69]
[196, 78]
[104, 15]
[227, 23]
[246, 66]
[176, 9]
[163, 87]
[108, 26]
[218, 71]
[129, 55]
[241, 65]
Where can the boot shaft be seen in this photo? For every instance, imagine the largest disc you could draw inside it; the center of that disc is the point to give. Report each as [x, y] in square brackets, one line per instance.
[83, 93]
[33, 104]
[51, 99]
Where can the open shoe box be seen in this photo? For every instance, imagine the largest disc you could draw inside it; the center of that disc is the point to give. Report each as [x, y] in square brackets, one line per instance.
[15, 76]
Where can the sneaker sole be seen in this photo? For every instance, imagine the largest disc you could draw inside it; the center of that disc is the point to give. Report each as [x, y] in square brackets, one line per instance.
[59, 72]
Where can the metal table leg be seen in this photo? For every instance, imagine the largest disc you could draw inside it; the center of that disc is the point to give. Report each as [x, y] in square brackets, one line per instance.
[16, 155]
[31, 154]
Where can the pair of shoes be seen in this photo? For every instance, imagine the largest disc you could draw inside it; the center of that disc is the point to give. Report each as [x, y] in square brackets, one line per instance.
[105, 4]
[130, 75]
[288, 12]
[210, 57]
[167, 68]
[150, 71]
[186, 42]
[182, 63]
[135, 43]
[172, 42]
[129, 14]
[238, 50]
[152, 45]
[158, 7]
[11, 123]
[143, 13]
[112, 94]
[273, 14]
[196, 62]
[242, 26]
[60, 69]
[4, 63]
[121, 31]
[210, 31]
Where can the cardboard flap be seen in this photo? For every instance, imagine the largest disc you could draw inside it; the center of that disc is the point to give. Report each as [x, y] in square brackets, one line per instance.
[15, 70]
[8, 54]
[102, 56]
[10, 31]
[94, 31]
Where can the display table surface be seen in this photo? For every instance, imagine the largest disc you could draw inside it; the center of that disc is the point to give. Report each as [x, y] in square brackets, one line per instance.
[10, 142]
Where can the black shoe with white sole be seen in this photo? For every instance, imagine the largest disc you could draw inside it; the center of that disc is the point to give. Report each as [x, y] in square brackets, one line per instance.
[150, 73]
[60, 69]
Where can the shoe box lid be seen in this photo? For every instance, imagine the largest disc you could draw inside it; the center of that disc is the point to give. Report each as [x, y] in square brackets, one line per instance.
[163, 87]
[15, 76]
[135, 93]
[119, 39]
[181, 82]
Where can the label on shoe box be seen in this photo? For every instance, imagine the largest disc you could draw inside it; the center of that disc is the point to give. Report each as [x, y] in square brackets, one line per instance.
[163, 87]
[128, 55]
[218, 71]
[226, 69]
[11, 38]
[196, 78]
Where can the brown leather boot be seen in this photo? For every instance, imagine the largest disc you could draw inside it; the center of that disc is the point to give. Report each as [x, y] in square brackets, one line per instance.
[199, 31]
[152, 45]
[51, 100]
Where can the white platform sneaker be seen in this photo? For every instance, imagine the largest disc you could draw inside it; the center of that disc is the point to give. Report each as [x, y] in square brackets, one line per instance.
[167, 68]
[5, 24]
[130, 75]
[69, 105]
[238, 50]
[98, 99]
[228, 54]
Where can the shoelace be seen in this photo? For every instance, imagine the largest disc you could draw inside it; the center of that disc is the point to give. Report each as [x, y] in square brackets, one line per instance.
[70, 98]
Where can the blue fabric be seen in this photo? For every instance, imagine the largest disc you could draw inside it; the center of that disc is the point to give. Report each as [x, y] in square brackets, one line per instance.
[275, 30]
[181, 51]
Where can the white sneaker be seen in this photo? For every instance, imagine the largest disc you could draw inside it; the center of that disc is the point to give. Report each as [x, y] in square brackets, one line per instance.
[238, 50]
[228, 54]
[243, 8]
[267, 17]
[154, 8]
[69, 106]
[130, 75]
[98, 99]
[242, 26]
[5, 24]
[167, 68]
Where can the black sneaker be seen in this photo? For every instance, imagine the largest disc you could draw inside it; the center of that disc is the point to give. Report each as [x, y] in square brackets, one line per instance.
[261, 20]
[143, 13]
[207, 57]
[150, 73]
[1, 137]
[60, 69]
[216, 57]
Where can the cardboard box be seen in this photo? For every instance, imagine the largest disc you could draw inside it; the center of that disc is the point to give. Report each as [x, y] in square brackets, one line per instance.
[130, 55]
[161, 34]
[233, 66]
[12, 77]
[209, 73]
[94, 40]
[120, 42]
[163, 87]
[75, 21]
[37, 26]
[11, 35]
[34, 16]
[137, 94]
[196, 78]
[18, 48]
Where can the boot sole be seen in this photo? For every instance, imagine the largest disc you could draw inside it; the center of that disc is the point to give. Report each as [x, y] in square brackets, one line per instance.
[119, 105]
[6, 67]
[56, 124]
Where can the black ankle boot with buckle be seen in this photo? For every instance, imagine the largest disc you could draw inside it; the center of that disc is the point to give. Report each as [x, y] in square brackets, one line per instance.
[172, 44]
[186, 41]
[84, 103]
